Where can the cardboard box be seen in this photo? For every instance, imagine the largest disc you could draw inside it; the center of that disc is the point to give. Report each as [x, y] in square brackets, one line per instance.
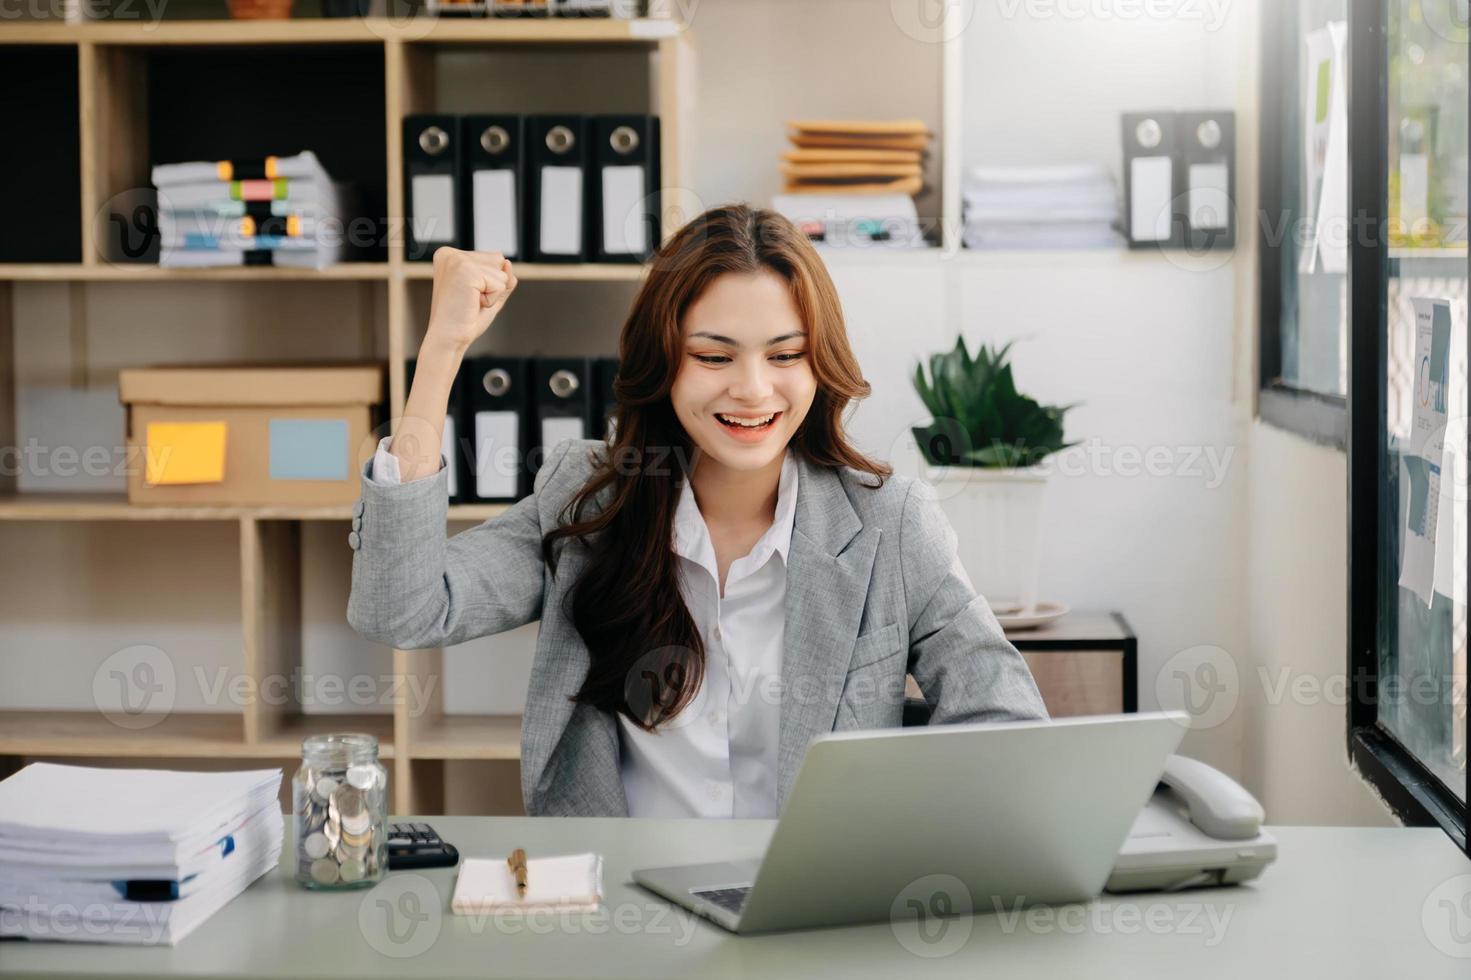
[250, 435]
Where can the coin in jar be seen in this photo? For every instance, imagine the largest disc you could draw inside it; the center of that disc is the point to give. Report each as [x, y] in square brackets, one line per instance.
[315, 846]
[324, 871]
[352, 869]
[362, 777]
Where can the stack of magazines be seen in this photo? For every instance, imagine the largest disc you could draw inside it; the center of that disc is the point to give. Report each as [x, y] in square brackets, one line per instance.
[138, 856]
[277, 211]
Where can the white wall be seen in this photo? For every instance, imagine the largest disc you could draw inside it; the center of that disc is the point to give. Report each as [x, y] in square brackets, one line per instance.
[1295, 756]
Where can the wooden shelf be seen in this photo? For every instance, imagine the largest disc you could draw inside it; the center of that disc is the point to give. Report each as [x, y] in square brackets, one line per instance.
[87, 733]
[285, 739]
[468, 737]
[64, 272]
[587, 272]
[115, 507]
[342, 272]
[346, 30]
[387, 69]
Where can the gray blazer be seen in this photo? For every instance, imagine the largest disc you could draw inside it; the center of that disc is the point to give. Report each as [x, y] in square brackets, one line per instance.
[874, 591]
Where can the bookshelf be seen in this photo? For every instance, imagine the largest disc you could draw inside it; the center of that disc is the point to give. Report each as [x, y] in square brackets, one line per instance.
[381, 69]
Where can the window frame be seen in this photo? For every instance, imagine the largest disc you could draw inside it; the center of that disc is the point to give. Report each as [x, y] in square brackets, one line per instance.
[1412, 791]
[1319, 417]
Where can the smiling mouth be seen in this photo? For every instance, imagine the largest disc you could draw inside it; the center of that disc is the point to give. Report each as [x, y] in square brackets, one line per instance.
[747, 425]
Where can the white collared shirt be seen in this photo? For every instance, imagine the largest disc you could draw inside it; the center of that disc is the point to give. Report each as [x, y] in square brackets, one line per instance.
[718, 757]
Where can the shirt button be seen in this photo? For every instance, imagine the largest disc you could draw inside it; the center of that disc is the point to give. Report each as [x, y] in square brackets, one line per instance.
[717, 633]
[357, 509]
[355, 540]
[357, 523]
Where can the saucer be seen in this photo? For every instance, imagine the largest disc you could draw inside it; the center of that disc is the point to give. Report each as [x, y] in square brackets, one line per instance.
[1039, 615]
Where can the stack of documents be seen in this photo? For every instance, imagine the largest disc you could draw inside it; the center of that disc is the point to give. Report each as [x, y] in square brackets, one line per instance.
[276, 211]
[853, 156]
[1044, 206]
[130, 855]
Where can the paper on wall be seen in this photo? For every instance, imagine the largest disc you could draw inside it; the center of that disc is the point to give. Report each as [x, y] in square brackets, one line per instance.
[1325, 148]
[1426, 509]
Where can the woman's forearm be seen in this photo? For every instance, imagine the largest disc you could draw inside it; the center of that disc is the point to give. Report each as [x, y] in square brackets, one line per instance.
[416, 442]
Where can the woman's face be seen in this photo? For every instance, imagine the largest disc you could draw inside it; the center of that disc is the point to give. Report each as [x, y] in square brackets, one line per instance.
[745, 359]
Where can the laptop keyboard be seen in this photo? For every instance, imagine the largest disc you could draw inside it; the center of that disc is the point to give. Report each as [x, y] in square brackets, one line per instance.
[730, 899]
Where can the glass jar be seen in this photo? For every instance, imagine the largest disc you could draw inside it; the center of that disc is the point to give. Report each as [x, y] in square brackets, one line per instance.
[340, 797]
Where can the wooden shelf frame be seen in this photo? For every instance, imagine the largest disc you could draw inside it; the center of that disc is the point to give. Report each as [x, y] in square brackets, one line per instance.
[417, 740]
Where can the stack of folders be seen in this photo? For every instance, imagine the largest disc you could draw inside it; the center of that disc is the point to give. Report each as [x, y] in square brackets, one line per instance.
[855, 156]
[138, 856]
[277, 211]
[1071, 205]
[549, 188]
[507, 413]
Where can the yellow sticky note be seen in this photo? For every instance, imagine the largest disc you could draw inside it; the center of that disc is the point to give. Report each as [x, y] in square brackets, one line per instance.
[185, 452]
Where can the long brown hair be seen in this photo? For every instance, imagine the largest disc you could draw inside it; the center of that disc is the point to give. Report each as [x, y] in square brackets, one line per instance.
[647, 659]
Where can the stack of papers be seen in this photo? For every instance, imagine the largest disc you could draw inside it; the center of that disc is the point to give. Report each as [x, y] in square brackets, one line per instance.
[130, 855]
[1044, 206]
[565, 883]
[276, 211]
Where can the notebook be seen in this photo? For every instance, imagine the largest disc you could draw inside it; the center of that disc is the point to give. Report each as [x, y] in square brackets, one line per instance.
[565, 883]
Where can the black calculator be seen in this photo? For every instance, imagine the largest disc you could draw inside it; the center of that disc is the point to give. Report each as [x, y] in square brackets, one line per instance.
[417, 845]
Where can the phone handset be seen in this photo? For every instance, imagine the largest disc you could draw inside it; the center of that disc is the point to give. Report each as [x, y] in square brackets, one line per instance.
[1217, 803]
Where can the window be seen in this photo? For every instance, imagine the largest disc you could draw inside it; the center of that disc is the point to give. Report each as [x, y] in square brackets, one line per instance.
[1408, 437]
[1302, 226]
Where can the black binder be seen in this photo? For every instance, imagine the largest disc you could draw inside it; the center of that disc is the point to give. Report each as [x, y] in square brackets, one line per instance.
[495, 174]
[606, 406]
[563, 392]
[432, 169]
[1208, 149]
[624, 188]
[498, 424]
[556, 200]
[1152, 181]
[452, 443]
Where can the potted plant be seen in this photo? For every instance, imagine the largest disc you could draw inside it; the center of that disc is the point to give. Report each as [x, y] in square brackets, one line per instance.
[983, 448]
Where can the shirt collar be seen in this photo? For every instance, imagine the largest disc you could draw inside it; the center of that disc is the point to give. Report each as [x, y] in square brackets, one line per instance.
[692, 536]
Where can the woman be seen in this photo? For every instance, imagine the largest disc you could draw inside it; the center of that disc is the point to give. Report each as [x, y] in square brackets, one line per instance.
[724, 581]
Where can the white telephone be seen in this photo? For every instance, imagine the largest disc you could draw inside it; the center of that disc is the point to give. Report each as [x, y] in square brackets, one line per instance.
[1200, 829]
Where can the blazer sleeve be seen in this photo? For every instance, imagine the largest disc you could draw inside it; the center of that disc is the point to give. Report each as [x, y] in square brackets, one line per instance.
[413, 587]
[958, 654]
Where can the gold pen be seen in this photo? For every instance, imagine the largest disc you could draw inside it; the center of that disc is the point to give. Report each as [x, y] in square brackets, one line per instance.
[517, 862]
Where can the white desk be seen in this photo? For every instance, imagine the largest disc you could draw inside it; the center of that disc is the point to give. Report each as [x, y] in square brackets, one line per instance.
[1339, 903]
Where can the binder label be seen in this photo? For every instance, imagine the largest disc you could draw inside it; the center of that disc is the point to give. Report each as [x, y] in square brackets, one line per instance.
[497, 452]
[432, 207]
[494, 193]
[451, 458]
[556, 429]
[1210, 204]
[561, 210]
[624, 230]
[1149, 199]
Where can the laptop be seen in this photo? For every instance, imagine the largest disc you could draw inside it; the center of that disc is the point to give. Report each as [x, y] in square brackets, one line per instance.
[995, 815]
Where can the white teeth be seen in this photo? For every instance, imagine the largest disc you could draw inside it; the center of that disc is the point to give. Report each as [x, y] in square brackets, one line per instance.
[746, 423]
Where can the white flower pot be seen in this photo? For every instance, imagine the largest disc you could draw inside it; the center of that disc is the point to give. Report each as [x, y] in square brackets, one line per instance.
[997, 516]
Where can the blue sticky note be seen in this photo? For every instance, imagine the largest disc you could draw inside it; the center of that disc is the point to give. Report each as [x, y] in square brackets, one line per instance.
[309, 449]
